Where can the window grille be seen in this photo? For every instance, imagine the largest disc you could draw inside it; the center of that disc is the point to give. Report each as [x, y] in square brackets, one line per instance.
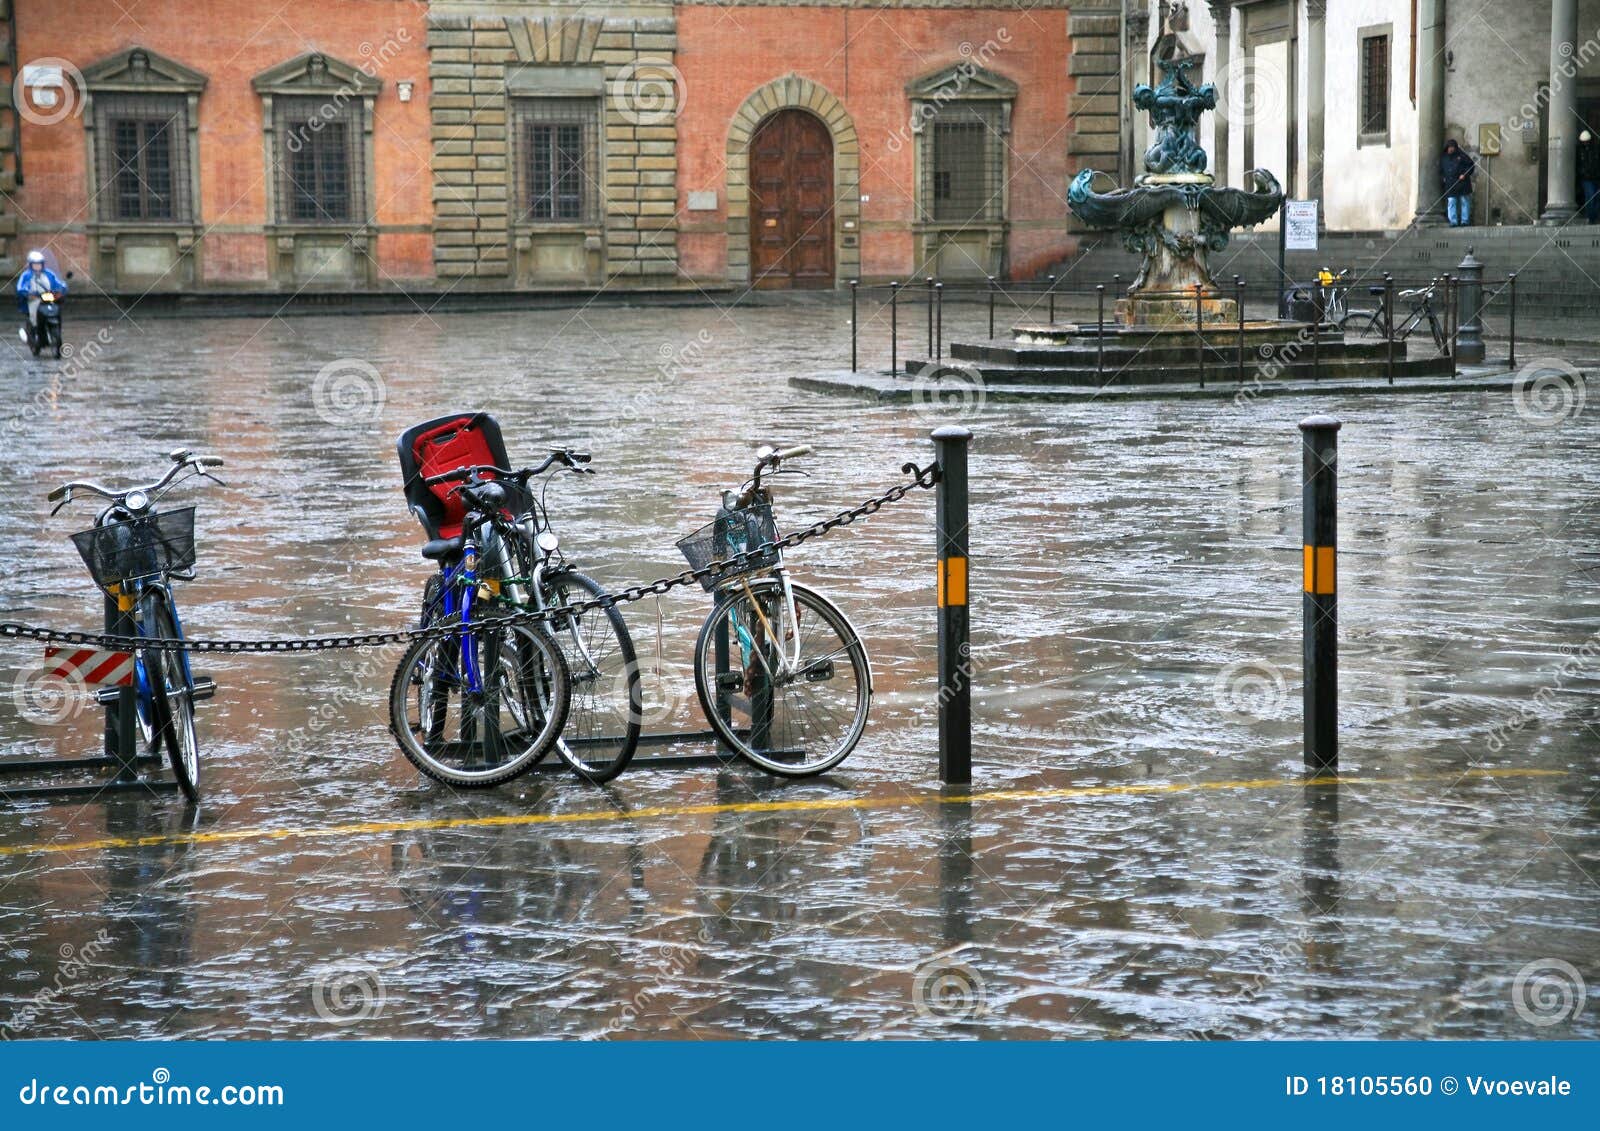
[964, 164]
[142, 157]
[320, 161]
[556, 159]
[1375, 84]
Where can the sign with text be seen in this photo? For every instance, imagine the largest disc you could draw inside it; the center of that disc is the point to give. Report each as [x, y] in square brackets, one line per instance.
[1300, 225]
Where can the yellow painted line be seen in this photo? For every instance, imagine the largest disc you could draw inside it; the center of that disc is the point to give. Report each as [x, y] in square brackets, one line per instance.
[902, 801]
[952, 582]
[1319, 570]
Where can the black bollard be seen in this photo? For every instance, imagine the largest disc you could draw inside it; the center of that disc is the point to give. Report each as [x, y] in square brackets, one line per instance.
[122, 711]
[1388, 327]
[955, 653]
[894, 329]
[853, 283]
[1319, 603]
[930, 316]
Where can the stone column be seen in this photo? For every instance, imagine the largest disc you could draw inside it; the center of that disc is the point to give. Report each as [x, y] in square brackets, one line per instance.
[1430, 110]
[1316, 83]
[1221, 15]
[1563, 154]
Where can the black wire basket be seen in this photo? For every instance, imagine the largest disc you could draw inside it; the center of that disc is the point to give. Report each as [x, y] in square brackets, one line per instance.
[152, 545]
[732, 532]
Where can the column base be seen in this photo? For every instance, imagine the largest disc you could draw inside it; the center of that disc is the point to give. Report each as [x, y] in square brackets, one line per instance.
[1430, 218]
[1556, 215]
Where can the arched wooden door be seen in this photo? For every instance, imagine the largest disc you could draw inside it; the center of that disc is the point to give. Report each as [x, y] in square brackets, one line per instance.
[791, 202]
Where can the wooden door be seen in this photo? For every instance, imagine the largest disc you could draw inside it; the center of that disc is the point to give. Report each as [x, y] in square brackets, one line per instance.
[791, 202]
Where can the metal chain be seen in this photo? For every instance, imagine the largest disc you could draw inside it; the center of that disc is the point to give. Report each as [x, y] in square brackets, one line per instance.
[920, 477]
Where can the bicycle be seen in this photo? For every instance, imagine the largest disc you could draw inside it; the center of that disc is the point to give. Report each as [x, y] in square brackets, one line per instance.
[797, 703]
[479, 705]
[607, 712]
[1421, 299]
[134, 553]
[1333, 295]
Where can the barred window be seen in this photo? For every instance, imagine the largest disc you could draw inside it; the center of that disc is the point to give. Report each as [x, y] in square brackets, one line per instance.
[556, 159]
[964, 163]
[1375, 88]
[319, 159]
[142, 157]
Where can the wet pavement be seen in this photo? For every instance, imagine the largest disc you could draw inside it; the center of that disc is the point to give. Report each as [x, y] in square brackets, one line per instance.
[1138, 856]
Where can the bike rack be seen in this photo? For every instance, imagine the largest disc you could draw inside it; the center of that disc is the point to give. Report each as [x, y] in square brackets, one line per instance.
[134, 770]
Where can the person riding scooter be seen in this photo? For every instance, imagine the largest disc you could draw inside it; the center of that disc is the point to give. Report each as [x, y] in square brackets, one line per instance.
[35, 283]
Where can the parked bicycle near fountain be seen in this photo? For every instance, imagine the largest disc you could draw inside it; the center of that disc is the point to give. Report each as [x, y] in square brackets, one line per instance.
[134, 552]
[782, 674]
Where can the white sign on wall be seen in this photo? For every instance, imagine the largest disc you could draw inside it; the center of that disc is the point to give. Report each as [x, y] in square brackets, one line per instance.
[1300, 225]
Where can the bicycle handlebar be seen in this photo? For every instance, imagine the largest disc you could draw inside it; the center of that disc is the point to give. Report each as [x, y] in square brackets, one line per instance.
[567, 457]
[182, 460]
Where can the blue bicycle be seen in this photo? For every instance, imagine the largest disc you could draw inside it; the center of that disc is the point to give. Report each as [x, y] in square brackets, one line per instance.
[134, 553]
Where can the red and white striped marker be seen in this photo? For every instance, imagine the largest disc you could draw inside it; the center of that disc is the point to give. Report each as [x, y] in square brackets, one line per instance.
[89, 666]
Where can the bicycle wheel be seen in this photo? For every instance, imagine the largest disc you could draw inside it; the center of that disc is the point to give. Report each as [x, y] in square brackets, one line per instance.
[789, 719]
[479, 738]
[171, 697]
[602, 728]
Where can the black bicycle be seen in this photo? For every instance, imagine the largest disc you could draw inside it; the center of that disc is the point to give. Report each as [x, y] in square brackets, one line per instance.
[134, 553]
[1374, 324]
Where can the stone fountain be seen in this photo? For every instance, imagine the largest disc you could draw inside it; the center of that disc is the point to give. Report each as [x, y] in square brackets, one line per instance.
[1174, 215]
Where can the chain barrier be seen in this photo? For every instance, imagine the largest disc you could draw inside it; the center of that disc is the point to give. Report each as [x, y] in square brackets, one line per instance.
[920, 477]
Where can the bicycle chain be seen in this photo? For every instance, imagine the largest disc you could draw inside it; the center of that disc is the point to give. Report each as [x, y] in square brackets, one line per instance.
[921, 477]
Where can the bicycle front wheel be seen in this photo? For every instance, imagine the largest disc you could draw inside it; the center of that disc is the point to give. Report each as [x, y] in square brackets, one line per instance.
[474, 710]
[603, 726]
[790, 717]
[171, 709]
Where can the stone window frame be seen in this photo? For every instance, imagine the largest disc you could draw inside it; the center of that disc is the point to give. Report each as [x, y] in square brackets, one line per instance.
[964, 82]
[1376, 139]
[319, 75]
[795, 93]
[137, 70]
[541, 82]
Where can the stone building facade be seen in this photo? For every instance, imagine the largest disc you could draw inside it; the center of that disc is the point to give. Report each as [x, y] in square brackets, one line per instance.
[499, 144]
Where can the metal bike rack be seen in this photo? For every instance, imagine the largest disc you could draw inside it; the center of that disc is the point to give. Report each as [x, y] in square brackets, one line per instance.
[134, 770]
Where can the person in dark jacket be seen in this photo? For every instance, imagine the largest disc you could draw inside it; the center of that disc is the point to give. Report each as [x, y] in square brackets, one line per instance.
[1455, 177]
[1589, 174]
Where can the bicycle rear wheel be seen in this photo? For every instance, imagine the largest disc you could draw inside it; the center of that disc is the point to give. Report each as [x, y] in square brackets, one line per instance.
[792, 720]
[603, 726]
[171, 697]
[474, 739]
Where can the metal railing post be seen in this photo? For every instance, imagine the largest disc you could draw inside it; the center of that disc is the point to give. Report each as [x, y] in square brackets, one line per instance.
[1199, 333]
[1319, 444]
[1100, 334]
[930, 316]
[894, 329]
[1238, 298]
[938, 335]
[1511, 285]
[991, 307]
[1052, 289]
[853, 311]
[1388, 327]
[955, 659]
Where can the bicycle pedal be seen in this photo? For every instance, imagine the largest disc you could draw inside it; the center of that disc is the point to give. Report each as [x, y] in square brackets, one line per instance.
[730, 681]
[820, 673]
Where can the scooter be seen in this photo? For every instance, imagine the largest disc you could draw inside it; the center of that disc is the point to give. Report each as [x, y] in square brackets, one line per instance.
[45, 332]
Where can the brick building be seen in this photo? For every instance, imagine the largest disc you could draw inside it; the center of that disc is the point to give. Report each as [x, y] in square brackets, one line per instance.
[392, 144]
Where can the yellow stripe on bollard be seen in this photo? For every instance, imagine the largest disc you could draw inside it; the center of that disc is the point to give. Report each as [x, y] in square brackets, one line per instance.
[952, 582]
[1319, 570]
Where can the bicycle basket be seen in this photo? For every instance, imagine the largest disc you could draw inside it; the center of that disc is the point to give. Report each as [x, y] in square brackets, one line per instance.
[730, 533]
[148, 546]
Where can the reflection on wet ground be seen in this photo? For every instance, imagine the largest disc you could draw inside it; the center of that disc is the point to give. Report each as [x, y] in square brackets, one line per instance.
[1136, 611]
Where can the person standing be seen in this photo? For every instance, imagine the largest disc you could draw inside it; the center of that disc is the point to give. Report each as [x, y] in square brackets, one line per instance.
[1589, 175]
[1455, 178]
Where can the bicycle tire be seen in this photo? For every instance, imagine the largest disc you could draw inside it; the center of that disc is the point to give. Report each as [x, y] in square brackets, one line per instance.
[597, 675]
[776, 755]
[171, 697]
[537, 695]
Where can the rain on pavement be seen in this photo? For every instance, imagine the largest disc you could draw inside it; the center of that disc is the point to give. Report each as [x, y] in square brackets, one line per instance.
[1139, 858]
